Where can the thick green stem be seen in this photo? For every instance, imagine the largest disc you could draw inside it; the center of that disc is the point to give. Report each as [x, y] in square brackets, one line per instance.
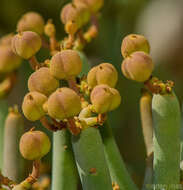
[3, 114]
[167, 123]
[91, 161]
[13, 163]
[147, 129]
[64, 171]
[118, 171]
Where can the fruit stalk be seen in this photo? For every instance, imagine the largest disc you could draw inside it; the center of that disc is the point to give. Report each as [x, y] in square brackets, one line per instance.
[118, 171]
[167, 123]
[64, 171]
[91, 161]
[13, 163]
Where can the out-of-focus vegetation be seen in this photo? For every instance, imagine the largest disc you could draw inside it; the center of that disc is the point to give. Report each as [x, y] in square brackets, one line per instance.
[161, 21]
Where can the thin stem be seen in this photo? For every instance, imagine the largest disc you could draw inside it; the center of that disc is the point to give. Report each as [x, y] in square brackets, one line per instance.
[72, 127]
[34, 63]
[44, 121]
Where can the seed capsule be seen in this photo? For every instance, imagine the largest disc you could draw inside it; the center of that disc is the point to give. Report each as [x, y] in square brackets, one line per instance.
[8, 60]
[42, 81]
[104, 73]
[74, 16]
[93, 5]
[133, 43]
[104, 98]
[31, 21]
[32, 105]
[138, 66]
[64, 103]
[66, 64]
[26, 44]
[34, 145]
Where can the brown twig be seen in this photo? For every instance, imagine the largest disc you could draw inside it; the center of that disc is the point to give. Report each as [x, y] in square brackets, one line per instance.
[72, 127]
[34, 63]
[6, 181]
[48, 125]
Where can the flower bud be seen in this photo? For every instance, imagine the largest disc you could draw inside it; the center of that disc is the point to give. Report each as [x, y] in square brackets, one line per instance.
[105, 73]
[34, 145]
[49, 29]
[31, 21]
[93, 5]
[26, 44]
[42, 81]
[64, 103]
[32, 105]
[66, 64]
[138, 66]
[104, 98]
[8, 60]
[133, 43]
[76, 15]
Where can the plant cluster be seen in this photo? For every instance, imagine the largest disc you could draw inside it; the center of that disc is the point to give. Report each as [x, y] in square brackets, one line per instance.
[74, 106]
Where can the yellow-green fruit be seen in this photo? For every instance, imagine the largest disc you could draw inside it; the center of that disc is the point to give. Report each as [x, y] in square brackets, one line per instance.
[26, 44]
[93, 5]
[138, 66]
[104, 98]
[105, 73]
[6, 40]
[66, 64]
[64, 103]
[34, 145]
[133, 43]
[42, 81]
[31, 21]
[32, 105]
[75, 15]
[8, 60]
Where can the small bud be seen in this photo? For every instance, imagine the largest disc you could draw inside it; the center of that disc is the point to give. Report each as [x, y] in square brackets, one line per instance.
[26, 44]
[104, 98]
[93, 5]
[6, 40]
[34, 145]
[138, 66]
[76, 15]
[8, 60]
[64, 103]
[31, 21]
[49, 29]
[32, 105]
[104, 73]
[42, 81]
[133, 43]
[66, 64]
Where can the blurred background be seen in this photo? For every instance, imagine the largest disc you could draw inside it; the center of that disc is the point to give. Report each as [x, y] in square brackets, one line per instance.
[161, 21]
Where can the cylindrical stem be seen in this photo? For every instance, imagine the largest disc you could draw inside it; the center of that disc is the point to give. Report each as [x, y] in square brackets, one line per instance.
[90, 159]
[117, 168]
[13, 163]
[166, 122]
[64, 171]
